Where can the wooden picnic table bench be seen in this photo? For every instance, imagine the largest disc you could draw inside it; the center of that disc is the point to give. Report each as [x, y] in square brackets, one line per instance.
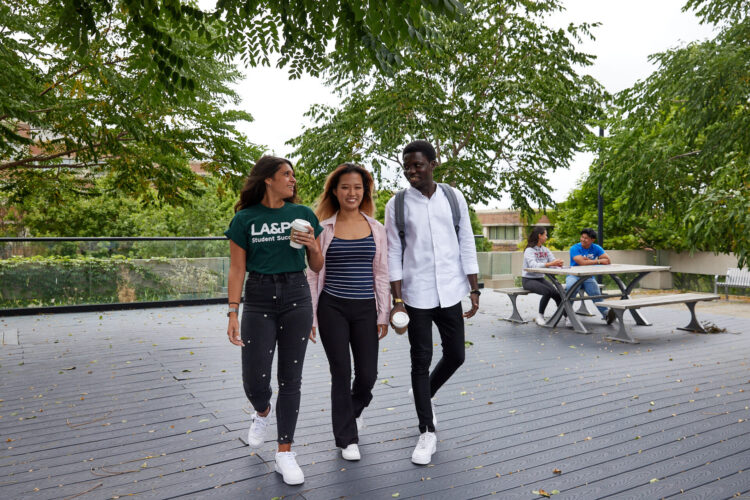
[689, 299]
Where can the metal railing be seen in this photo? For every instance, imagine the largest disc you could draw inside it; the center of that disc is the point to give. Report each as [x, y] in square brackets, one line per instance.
[59, 274]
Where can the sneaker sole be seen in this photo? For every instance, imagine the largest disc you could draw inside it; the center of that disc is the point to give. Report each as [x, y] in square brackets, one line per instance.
[291, 483]
[254, 444]
[434, 449]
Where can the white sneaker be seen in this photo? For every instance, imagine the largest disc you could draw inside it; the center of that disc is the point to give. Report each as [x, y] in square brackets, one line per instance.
[351, 452]
[432, 403]
[360, 423]
[540, 320]
[286, 465]
[426, 446]
[257, 433]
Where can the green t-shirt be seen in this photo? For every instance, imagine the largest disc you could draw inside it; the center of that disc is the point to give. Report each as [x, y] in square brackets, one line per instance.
[264, 234]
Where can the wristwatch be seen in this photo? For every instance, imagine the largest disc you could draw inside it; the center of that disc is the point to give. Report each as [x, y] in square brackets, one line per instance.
[397, 301]
[233, 310]
[476, 291]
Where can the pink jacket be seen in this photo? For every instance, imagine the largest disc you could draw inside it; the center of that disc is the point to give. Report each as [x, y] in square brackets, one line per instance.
[379, 269]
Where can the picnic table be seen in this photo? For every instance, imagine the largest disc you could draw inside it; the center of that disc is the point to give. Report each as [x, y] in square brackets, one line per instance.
[633, 272]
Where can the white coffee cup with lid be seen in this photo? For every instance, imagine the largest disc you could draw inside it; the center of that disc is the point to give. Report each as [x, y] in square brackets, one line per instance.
[400, 321]
[302, 226]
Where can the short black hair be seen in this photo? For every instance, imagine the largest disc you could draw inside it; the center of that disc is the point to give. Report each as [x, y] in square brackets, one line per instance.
[420, 146]
[589, 232]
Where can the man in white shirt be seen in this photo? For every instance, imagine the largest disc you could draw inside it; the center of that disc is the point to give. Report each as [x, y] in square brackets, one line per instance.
[438, 269]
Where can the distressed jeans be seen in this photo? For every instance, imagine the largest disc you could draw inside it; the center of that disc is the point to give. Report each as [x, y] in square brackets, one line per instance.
[277, 312]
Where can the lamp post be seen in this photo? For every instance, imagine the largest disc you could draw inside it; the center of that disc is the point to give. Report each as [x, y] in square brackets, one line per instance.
[600, 211]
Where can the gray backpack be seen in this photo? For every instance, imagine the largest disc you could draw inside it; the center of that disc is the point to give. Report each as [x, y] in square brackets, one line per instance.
[401, 224]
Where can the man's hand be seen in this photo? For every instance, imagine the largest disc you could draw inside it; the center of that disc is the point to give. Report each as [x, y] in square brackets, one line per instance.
[312, 336]
[474, 306]
[233, 330]
[399, 307]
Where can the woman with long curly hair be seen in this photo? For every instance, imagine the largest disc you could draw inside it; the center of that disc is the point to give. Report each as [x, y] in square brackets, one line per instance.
[351, 297]
[277, 307]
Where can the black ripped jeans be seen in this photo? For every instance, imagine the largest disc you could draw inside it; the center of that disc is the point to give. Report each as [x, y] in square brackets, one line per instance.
[277, 311]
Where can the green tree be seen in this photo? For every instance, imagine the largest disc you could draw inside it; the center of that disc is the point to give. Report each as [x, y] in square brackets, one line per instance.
[483, 244]
[501, 101]
[679, 147]
[204, 214]
[622, 230]
[68, 118]
[300, 33]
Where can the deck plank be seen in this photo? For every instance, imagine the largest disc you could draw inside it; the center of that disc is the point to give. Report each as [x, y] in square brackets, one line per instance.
[527, 400]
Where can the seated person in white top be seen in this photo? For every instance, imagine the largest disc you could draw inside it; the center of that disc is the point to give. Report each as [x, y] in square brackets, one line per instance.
[439, 268]
[537, 255]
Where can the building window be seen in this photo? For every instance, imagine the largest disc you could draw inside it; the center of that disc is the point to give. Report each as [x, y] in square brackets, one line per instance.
[507, 233]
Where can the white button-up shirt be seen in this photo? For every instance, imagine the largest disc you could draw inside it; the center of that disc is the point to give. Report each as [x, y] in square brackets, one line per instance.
[435, 262]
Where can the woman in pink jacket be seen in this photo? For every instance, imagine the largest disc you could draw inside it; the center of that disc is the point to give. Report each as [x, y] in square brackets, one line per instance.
[351, 297]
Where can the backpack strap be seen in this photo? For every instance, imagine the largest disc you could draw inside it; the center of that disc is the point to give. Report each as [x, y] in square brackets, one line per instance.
[400, 220]
[453, 202]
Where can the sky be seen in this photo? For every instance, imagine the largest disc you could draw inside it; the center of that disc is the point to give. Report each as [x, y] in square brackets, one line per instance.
[629, 33]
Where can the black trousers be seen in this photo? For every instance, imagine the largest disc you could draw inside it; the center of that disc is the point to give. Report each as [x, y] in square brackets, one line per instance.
[346, 323]
[544, 288]
[277, 311]
[450, 325]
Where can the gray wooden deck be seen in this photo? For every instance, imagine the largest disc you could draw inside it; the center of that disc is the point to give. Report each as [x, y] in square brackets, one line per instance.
[149, 403]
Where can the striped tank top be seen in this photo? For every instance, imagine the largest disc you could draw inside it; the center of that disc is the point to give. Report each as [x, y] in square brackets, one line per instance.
[349, 268]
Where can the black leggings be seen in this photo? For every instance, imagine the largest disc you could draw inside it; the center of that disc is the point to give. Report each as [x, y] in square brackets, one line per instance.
[344, 323]
[277, 311]
[544, 288]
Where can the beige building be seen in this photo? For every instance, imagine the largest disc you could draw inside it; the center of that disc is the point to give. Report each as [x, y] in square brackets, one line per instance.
[505, 228]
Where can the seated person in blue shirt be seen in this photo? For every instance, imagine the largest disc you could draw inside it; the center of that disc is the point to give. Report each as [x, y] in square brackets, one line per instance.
[588, 253]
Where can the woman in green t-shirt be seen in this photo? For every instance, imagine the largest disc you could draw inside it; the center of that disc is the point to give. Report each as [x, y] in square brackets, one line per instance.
[277, 308]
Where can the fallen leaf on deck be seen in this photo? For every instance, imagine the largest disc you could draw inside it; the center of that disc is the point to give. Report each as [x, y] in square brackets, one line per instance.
[556, 471]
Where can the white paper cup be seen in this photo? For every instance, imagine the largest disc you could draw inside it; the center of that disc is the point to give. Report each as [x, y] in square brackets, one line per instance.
[400, 321]
[298, 225]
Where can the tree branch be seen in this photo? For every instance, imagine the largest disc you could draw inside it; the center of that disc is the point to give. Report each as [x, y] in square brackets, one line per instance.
[44, 158]
[64, 78]
[683, 155]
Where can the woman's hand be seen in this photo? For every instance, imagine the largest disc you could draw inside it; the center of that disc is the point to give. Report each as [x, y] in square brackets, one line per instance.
[304, 238]
[233, 330]
[555, 263]
[382, 331]
[312, 335]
